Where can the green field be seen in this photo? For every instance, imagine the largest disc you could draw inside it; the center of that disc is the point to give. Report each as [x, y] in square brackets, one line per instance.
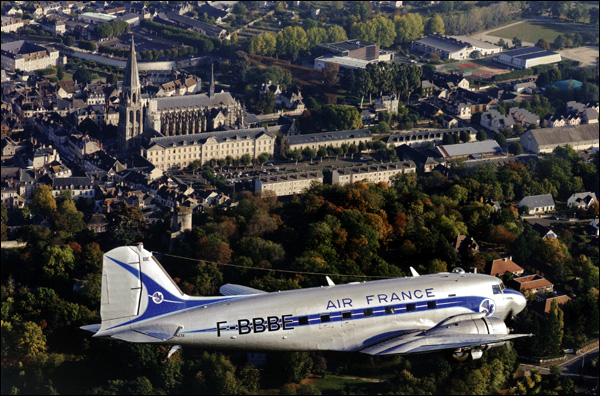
[533, 31]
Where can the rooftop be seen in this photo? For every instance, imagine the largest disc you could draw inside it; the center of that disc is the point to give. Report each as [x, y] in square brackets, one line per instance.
[463, 149]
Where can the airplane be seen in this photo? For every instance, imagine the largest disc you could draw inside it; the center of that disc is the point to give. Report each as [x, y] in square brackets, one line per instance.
[456, 311]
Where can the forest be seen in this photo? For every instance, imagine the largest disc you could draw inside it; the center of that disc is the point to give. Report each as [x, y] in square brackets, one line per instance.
[358, 232]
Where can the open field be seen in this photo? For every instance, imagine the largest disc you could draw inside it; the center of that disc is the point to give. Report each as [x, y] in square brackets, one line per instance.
[532, 31]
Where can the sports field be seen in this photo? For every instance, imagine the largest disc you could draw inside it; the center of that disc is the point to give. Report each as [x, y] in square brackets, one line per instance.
[532, 31]
[483, 68]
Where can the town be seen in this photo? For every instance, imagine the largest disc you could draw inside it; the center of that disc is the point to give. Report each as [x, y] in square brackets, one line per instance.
[349, 139]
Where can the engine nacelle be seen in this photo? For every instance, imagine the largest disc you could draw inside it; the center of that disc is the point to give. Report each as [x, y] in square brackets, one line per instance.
[491, 325]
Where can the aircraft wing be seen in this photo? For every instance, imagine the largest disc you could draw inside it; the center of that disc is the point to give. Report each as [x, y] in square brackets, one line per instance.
[411, 343]
[460, 331]
[231, 289]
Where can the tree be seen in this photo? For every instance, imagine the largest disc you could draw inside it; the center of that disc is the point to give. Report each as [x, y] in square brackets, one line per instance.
[315, 36]
[330, 74]
[58, 262]
[517, 41]
[408, 28]
[68, 218]
[60, 72]
[543, 44]
[126, 226]
[500, 139]
[435, 25]
[44, 201]
[291, 41]
[30, 343]
[481, 135]
[87, 45]
[340, 117]
[69, 41]
[553, 330]
[378, 30]
[104, 30]
[263, 44]
[515, 148]
[560, 42]
[82, 76]
[240, 9]
[336, 33]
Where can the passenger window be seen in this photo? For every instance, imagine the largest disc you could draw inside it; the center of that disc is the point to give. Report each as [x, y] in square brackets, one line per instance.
[325, 318]
[347, 315]
[303, 320]
[496, 289]
[411, 307]
[368, 312]
[389, 310]
[431, 304]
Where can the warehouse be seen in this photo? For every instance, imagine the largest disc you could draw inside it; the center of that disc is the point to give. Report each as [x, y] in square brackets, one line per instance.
[524, 58]
[545, 140]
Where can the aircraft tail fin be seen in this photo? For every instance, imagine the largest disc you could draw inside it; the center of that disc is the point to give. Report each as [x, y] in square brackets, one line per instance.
[135, 287]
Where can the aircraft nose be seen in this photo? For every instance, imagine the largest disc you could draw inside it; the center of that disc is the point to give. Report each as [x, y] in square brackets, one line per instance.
[516, 301]
[520, 302]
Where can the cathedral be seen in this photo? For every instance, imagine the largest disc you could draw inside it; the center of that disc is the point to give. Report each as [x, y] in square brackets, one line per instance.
[171, 116]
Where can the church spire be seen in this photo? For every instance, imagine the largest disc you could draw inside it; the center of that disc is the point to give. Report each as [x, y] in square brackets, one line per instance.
[211, 91]
[132, 79]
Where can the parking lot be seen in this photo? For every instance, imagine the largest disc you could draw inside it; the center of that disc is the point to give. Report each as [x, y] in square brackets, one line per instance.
[586, 55]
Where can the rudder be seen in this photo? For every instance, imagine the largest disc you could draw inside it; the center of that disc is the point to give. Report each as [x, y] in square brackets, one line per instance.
[135, 287]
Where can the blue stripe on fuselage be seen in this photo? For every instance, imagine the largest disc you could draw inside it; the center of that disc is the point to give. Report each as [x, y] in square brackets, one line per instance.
[469, 302]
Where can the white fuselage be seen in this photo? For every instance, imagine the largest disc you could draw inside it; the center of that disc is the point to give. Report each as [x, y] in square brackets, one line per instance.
[341, 317]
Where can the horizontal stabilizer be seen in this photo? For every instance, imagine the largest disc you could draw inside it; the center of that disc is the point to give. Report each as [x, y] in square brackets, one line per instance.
[231, 289]
[149, 333]
[93, 328]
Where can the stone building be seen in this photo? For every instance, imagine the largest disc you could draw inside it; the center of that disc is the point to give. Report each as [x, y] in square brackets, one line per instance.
[171, 116]
[131, 124]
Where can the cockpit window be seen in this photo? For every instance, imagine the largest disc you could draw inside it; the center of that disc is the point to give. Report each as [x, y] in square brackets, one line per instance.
[497, 289]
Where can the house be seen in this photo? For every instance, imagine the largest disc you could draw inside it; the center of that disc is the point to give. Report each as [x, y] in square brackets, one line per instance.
[536, 266]
[592, 227]
[582, 200]
[426, 160]
[544, 232]
[542, 307]
[389, 103]
[465, 244]
[97, 223]
[538, 203]
[495, 121]
[532, 284]
[500, 266]
[427, 88]
[524, 117]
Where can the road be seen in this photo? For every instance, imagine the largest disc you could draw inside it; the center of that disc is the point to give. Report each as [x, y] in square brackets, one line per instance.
[570, 367]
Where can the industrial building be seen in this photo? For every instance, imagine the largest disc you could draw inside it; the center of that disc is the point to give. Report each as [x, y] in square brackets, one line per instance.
[524, 58]
[545, 140]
